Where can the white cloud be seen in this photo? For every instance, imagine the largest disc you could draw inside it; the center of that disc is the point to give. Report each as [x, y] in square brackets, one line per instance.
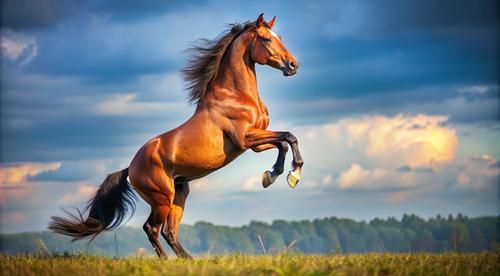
[84, 193]
[252, 184]
[357, 176]
[125, 105]
[18, 47]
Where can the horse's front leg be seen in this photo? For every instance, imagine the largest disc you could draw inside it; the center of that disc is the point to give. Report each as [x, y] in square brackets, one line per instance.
[269, 177]
[257, 137]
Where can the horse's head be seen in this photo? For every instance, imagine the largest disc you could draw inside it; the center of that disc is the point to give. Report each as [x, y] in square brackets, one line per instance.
[267, 48]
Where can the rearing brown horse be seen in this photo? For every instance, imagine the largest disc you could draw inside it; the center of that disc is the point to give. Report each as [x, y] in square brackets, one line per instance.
[230, 118]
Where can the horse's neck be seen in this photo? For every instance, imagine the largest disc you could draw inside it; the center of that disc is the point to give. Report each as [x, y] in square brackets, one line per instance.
[237, 71]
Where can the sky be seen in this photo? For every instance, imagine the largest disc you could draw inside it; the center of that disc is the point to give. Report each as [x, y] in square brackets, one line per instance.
[395, 106]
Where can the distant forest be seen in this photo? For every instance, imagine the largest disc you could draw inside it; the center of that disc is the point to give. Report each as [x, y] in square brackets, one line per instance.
[324, 236]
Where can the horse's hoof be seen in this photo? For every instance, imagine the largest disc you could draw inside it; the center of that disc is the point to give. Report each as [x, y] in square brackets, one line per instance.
[293, 178]
[267, 179]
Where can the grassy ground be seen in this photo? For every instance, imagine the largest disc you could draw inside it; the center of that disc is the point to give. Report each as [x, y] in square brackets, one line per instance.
[365, 264]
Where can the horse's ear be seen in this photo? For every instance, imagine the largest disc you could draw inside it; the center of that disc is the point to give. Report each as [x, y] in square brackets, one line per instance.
[260, 20]
[271, 23]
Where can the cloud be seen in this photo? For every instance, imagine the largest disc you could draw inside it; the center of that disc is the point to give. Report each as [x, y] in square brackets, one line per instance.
[392, 17]
[20, 172]
[356, 176]
[15, 177]
[71, 171]
[125, 105]
[419, 140]
[18, 47]
[27, 14]
[253, 184]
[84, 192]
[381, 141]
[479, 173]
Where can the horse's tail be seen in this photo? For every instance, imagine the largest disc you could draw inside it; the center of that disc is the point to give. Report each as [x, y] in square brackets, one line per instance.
[105, 211]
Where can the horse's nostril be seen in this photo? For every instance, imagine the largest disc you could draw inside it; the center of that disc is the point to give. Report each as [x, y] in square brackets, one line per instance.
[294, 65]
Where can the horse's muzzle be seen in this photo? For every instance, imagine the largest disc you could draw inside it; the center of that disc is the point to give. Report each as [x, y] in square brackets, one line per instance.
[291, 68]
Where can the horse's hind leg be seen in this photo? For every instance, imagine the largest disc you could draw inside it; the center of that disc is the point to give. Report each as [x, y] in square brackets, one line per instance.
[152, 227]
[160, 196]
[170, 229]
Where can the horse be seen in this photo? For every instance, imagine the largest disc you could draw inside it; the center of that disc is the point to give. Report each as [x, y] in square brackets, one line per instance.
[230, 118]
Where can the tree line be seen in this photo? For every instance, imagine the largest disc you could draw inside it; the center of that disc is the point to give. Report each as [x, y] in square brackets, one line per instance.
[325, 236]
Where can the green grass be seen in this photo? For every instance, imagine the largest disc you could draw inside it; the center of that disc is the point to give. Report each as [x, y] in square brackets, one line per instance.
[360, 264]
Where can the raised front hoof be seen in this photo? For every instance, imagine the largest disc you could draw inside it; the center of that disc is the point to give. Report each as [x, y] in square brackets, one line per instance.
[293, 178]
[267, 179]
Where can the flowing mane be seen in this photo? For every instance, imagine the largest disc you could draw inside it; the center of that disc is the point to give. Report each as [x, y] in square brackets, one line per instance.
[205, 58]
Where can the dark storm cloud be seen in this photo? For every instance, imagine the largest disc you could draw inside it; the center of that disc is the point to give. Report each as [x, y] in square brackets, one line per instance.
[30, 14]
[414, 15]
[33, 14]
[374, 19]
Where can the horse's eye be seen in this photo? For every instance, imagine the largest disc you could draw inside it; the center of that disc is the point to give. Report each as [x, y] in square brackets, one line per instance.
[266, 40]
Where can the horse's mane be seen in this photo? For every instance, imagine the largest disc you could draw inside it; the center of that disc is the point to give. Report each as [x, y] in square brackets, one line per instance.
[205, 58]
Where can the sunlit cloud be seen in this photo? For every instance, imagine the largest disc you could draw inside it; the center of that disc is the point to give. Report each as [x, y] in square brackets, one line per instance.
[420, 140]
[18, 47]
[20, 172]
[356, 175]
[13, 177]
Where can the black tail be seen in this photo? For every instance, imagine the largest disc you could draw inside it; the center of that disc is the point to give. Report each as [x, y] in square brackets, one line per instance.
[105, 211]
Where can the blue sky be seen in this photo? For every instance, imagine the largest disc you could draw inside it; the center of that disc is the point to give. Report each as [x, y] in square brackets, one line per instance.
[396, 106]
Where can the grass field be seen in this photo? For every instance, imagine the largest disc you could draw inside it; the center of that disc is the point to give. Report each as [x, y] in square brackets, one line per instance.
[362, 264]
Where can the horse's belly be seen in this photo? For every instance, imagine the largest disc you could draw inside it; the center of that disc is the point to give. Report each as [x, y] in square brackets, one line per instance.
[195, 158]
[194, 169]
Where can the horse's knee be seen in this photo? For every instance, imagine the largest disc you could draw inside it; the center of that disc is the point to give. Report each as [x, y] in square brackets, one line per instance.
[146, 227]
[149, 230]
[290, 138]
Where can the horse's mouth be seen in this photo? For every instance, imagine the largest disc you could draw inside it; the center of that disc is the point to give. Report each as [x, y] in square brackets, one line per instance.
[287, 72]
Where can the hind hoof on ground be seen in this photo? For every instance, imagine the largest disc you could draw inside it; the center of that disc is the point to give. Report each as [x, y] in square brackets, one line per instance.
[267, 179]
[293, 178]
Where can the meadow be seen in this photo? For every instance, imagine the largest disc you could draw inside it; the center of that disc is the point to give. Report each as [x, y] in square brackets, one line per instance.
[295, 264]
